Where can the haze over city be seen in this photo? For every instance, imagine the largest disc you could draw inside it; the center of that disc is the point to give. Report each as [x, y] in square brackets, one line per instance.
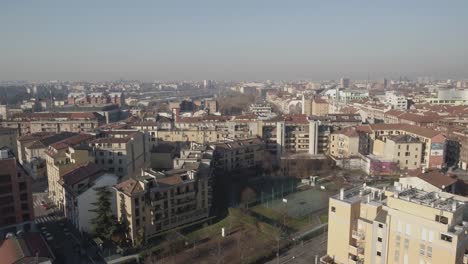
[233, 132]
[232, 40]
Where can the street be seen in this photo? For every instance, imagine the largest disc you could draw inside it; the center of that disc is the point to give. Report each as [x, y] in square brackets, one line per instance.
[304, 253]
[65, 241]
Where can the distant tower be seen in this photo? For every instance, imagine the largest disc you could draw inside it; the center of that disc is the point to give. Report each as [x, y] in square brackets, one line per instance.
[344, 82]
[207, 84]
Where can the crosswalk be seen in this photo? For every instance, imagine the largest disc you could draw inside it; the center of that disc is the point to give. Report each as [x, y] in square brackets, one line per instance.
[37, 203]
[46, 219]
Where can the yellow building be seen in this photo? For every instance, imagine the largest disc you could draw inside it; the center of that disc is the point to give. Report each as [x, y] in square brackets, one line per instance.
[123, 152]
[405, 150]
[344, 143]
[320, 107]
[396, 225]
[158, 201]
[61, 158]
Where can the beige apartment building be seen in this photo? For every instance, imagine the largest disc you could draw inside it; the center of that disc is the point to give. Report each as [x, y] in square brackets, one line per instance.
[405, 150]
[344, 143]
[158, 201]
[396, 225]
[320, 107]
[123, 152]
[63, 157]
[433, 142]
[27, 123]
[238, 154]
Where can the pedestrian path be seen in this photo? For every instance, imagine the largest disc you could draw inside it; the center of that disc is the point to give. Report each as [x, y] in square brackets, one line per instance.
[46, 219]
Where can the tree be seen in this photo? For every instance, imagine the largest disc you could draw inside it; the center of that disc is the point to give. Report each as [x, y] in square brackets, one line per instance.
[104, 223]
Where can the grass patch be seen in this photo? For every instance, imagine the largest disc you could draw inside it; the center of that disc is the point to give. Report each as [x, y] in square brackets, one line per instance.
[293, 223]
[323, 218]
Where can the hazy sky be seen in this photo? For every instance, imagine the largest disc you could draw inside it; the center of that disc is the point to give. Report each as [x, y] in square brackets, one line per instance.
[232, 40]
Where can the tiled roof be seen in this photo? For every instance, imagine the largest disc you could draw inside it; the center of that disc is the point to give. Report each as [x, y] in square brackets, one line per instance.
[425, 132]
[25, 248]
[129, 186]
[71, 141]
[111, 140]
[349, 132]
[434, 178]
[89, 170]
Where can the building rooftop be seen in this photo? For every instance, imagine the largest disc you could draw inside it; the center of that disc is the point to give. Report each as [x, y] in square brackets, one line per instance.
[366, 194]
[404, 139]
[130, 186]
[25, 248]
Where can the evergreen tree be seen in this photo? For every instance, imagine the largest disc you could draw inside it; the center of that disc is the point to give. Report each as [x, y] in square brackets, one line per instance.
[104, 222]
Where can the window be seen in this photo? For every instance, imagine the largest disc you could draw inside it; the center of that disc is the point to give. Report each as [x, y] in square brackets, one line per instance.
[397, 256]
[408, 230]
[379, 253]
[380, 225]
[379, 239]
[406, 243]
[424, 234]
[422, 250]
[400, 227]
[429, 252]
[441, 219]
[446, 238]
[333, 209]
[431, 236]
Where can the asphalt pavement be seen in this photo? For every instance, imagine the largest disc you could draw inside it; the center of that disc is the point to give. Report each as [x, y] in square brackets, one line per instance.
[304, 253]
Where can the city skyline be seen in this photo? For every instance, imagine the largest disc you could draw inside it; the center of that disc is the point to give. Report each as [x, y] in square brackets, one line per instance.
[51, 40]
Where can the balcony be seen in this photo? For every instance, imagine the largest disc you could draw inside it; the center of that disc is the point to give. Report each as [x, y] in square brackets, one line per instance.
[355, 260]
[358, 234]
[356, 251]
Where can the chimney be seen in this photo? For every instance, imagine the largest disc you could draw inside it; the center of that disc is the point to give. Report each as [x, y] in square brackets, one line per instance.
[454, 206]
[342, 194]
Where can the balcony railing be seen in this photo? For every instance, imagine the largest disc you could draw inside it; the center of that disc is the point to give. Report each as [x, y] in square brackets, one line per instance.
[358, 234]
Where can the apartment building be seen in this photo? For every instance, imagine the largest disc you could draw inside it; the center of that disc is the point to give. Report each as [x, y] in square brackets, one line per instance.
[344, 143]
[123, 152]
[405, 150]
[31, 149]
[27, 123]
[395, 100]
[78, 188]
[210, 105]
[320, 107]
[16, 205]
[396, 225]
[8, 137]
[433, 142]
[158, 201]
[63, 157]
[238, 154]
